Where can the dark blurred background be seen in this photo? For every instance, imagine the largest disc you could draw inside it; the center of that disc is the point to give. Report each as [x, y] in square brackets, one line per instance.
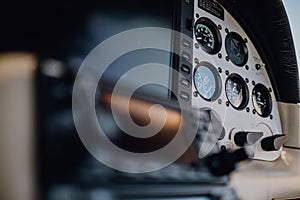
[63, 29]
[61, 34]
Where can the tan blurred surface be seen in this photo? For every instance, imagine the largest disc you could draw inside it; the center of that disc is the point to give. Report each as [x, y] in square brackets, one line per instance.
[16, 122]
[143, 113]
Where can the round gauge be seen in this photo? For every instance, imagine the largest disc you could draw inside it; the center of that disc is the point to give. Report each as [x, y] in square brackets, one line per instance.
[236, 49]
[207, 81]
[262, 101]
[208, 35]
[236, 91]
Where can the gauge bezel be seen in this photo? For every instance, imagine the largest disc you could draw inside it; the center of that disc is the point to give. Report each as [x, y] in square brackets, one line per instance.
[245, 91]
[244, 47]
[268, 97]
[217, 77]
[215, 31]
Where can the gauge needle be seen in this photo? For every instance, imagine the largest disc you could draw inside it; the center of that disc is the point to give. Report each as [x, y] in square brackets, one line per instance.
[200, 79]
[203, 38]
[235, 44]
[260, 103]
[209, 89]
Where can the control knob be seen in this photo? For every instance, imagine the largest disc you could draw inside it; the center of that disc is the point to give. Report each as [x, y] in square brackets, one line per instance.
[273, 143]
[243, 138]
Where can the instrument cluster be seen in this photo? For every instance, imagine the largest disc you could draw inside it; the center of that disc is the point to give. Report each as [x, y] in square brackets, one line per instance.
[207, 79]
[230, 78]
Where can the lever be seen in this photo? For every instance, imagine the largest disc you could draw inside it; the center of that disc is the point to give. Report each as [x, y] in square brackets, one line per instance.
[249, 138]
[273, 143]
[224, 162]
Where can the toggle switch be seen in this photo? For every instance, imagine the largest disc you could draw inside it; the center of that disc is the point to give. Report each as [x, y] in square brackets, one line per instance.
[243, 138]
[273, 143]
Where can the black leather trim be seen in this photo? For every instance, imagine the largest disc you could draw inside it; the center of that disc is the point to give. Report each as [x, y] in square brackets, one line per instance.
[267, 25]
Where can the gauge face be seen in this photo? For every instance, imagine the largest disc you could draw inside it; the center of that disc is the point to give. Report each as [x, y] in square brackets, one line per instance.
[236, 49]
[236, 91]
[261, 100]
[207, 81]
[208, 35]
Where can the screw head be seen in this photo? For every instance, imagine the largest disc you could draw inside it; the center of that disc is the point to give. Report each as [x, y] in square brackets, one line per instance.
[257, 66]
[195, 94]
[227, 103]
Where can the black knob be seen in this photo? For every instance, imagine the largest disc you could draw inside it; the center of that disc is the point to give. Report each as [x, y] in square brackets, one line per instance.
[224, 162]
[246, 138]
[273, 143]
